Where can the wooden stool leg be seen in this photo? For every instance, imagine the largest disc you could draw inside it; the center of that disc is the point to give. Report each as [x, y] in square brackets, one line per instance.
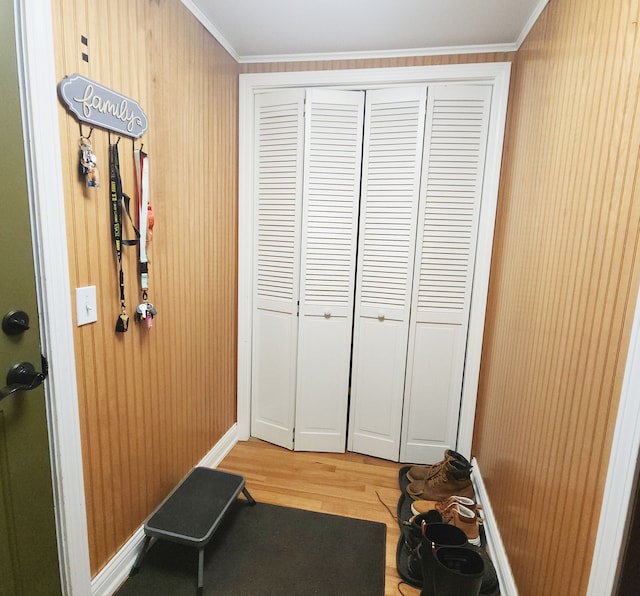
[200, 571]
[249, 498]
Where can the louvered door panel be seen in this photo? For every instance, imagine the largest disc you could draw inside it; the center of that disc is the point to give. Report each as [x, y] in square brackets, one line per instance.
[394, 130]
[333, 156]
[451, 192]
[279, 124]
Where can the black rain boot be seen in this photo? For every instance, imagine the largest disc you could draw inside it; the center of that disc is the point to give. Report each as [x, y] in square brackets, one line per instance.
[435, 535]
[413, 535]
[452, 571]
[407, 559]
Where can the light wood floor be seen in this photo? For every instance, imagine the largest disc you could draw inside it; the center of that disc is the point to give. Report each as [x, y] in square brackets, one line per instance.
[346, 484]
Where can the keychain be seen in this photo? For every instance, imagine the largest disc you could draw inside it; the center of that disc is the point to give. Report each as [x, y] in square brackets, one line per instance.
[122, 324]
[88, 163]
[145, 312]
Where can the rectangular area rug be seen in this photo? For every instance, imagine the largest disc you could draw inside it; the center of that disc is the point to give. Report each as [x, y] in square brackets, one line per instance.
[271, 550]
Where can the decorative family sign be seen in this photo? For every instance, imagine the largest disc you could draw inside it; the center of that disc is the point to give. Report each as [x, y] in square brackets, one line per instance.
[95, 104]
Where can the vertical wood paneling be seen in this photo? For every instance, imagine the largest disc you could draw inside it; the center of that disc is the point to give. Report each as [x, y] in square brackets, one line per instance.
[564, 282]
[153, 402]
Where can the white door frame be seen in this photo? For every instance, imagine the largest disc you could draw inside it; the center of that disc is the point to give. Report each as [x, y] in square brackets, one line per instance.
[496, 73]
[36, 68]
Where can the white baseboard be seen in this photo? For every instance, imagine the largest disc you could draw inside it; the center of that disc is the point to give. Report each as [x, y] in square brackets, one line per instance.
[117, 569]
[494, 540]
[220, 449]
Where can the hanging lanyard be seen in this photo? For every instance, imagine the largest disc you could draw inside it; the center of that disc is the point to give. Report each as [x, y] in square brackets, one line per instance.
[145, 311]
[117, 197]
[142, 184]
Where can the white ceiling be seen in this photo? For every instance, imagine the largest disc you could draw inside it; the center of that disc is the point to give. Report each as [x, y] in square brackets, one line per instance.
[276, 30]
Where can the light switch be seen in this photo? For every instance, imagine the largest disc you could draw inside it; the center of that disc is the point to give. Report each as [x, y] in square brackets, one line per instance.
[86, 311]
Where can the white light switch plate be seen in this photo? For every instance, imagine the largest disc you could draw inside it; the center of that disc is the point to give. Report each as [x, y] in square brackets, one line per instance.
[86, 311]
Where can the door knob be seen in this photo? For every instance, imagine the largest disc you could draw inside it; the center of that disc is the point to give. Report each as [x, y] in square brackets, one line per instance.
[23, 377]
[15, 322]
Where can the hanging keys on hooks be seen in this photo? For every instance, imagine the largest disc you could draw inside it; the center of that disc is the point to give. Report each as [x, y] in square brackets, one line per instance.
[145, 313]
[88, 163]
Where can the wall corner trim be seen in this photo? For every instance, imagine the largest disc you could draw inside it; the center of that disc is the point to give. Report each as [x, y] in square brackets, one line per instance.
[205, 21]
[117, 569]
[535, 15]
[495, 545]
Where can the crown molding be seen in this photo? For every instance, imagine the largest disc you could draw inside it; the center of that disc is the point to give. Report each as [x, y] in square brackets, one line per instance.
[384, 54]
[531, 22]
[211, 28]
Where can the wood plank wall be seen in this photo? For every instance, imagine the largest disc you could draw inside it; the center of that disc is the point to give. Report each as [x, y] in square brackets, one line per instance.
[153, 402]
[563, 287]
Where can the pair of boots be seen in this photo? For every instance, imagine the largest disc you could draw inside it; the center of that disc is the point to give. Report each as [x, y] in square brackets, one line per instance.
[442, 558]
[451, 476]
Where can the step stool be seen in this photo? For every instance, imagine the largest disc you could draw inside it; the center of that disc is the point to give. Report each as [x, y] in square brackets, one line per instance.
[193, 511]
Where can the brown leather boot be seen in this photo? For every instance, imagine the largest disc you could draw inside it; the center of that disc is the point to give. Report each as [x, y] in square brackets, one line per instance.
[452, 478]
[418, 507]
[426, 471]
[464, 518]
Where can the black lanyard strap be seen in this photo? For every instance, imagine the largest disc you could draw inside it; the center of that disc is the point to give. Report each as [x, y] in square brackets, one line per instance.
[117, 199]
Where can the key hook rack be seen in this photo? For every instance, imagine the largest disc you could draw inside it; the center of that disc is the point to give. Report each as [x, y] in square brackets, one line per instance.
[97, 105]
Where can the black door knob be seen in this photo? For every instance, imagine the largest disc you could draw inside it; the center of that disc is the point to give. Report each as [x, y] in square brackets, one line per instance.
[15, 322]
[23, 377]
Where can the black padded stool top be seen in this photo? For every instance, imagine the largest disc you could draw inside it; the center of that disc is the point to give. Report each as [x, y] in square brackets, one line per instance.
[193, 511]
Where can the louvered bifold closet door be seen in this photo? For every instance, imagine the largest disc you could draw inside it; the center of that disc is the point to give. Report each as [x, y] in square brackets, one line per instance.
[451, 193]
[279, 126]
[333, 157]
[394, 129]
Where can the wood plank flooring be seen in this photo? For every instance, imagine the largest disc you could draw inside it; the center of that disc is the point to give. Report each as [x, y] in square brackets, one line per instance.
[346, 484]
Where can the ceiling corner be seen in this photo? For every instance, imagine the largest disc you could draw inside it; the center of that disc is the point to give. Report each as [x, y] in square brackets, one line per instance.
[210, 27]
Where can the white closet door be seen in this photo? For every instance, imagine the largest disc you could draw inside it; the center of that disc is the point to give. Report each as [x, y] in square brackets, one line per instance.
[394, 131]
[451, 192]
[279, 128]
[333, 157]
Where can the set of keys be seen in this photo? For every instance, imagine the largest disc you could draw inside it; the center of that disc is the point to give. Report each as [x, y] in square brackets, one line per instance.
[88, 163]
[145, 313]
